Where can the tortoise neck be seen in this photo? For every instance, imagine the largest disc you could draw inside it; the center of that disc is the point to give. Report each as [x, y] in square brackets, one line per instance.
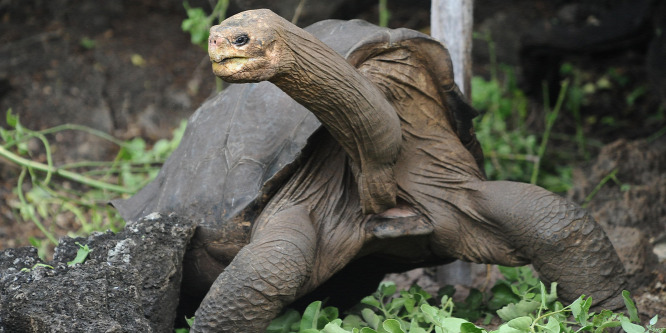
[351, 108]
[322, 81]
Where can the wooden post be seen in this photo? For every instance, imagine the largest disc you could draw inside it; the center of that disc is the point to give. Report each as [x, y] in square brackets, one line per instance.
[451, 22]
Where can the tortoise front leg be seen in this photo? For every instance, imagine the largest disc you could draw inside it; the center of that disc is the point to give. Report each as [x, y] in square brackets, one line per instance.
[559, 238]
[265, 276]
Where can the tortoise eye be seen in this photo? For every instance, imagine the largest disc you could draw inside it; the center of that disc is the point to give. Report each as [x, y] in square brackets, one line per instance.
[241, 40]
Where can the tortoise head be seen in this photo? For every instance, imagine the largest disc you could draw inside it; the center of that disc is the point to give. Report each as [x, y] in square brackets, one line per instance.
[248, 47]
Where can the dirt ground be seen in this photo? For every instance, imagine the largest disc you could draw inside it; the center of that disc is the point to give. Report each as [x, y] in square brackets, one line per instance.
[127, 68]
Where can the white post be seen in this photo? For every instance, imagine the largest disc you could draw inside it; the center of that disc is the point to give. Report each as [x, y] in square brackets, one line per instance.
[451, 22]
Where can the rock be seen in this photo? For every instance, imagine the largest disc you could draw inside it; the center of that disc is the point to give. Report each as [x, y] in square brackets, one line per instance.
[637, 196]
[129, 283]
[634, 248]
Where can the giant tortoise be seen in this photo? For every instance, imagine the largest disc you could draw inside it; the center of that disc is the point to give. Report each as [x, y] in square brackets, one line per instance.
[391, 181]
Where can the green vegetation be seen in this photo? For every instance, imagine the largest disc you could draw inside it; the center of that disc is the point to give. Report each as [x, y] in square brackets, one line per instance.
[198, 23]
[519, 303]
[384, 13]
[513, 150]
[78, 191]
[81, 254]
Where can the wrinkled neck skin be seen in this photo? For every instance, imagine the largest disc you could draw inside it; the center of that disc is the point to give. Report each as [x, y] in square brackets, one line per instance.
[353, 110]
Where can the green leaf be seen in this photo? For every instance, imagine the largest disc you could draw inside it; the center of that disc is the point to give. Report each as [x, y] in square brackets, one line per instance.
[328, 314]
[87, 43]
[12, 120]
[36, 242]
[470, 309]
[469, 328]
[630, 327]
[516, 310]
[603, 316]
[580, 308]
[418, 293]
[197, 24]
[367, 330]
[334, 327]
[654, 320]
[521, 323]
[415, 328]
[431, 313]
[508, 329]
[372, 301]
[370, 317]
[517, 325]
[387, 288]
[543, 294]
[447, 290]
[352, 321]
[81, 254]
[474, 299]
[283, 323]
[609, 324]
[553, 325]
[452, 324]
[310, 316]
[502, 296]
[510, 273]
[631, 307]
[552, 295]
[392, 326]
[395, 305]
[6, 136]
[410, 305]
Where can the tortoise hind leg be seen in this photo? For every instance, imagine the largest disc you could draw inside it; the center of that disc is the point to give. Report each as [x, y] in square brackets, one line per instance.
[264, 276]
[560, 239]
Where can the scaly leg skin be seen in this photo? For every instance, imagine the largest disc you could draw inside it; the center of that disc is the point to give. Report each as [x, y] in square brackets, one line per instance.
[559, 238]
[262, 278]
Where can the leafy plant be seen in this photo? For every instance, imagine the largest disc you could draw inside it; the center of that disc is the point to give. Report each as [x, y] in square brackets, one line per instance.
[198, 23]
[79, 191]
[521, 301]
[512, 150]
[81, 255]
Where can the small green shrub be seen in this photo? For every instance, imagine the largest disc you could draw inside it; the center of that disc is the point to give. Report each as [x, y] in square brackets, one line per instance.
[513, 150]
[198, 23]
[520, 301]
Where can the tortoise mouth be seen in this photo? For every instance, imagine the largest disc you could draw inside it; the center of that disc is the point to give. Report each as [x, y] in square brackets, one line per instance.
[234, 59]
[229, 65]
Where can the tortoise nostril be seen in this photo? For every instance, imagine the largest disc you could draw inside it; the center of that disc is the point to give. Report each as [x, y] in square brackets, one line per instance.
[213, 40]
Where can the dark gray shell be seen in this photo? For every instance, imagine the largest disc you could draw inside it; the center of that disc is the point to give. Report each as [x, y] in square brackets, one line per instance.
[242, 144]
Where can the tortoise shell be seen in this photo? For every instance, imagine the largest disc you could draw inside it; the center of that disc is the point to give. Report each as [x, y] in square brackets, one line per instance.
[242, 144]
